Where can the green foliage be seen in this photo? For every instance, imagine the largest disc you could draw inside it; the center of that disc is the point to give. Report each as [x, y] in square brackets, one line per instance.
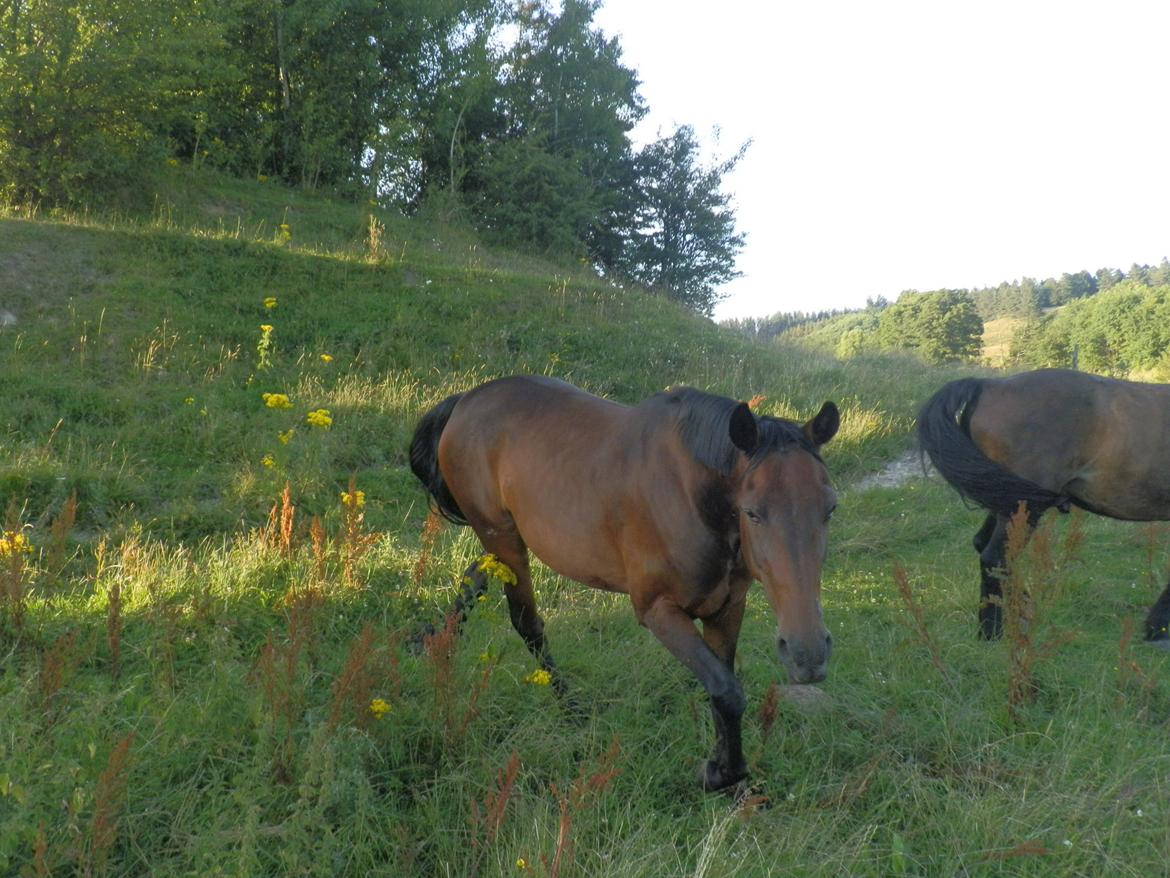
[83, 88]
[514, 118]
[1123, 330]
[684, 243]
[939, 327]
[532, 198]
[557, 174]
[190, 693]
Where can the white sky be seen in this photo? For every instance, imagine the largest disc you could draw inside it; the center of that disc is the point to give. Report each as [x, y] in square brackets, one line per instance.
[917, 145]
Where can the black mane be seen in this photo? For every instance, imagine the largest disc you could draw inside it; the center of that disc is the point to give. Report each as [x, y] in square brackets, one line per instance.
[702, 420]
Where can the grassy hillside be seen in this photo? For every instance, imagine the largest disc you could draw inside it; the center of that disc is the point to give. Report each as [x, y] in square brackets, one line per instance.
[997, 339]
[186, 687]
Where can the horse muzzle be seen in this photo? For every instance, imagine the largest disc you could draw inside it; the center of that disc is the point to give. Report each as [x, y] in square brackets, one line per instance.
[806, 660]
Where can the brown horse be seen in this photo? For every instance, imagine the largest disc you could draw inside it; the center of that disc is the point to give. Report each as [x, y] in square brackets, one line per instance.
[1051, 438]
[678, 502]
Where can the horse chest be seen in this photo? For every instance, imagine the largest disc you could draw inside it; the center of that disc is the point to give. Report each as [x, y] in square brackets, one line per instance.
[712, 581]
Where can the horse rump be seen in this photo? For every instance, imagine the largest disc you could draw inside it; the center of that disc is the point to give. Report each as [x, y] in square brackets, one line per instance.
[944, 435]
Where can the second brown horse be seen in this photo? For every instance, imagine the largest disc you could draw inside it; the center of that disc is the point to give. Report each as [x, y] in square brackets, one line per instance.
[678, 502]
[1051, 438]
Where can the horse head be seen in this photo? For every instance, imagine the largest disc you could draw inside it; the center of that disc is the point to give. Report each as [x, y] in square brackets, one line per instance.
[785, 502]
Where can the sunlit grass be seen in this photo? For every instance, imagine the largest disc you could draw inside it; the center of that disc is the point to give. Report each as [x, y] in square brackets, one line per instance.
[245, 664]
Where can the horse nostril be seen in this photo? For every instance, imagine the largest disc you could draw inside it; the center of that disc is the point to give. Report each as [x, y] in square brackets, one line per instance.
[782, 645]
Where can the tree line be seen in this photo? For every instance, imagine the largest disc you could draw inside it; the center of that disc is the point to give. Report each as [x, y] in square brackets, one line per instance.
[1122, 331]
[1117, 333]
[515, 115]
[1028, 297]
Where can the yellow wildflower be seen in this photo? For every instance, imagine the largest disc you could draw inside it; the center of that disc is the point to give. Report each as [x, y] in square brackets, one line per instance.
[319, 418]
[190, 400]
[14, 542]
[497, 569]
[539, 677]
[357, 498]
[268, 460]
[276, 400]
[327, 358]
[379, 708]
[269, 302]
[266, 328]
[173, 162]
[521, 864]
[286, 436]
[261, 178]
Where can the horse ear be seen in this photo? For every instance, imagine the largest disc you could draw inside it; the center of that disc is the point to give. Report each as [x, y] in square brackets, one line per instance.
[742, 429]
[823, 426]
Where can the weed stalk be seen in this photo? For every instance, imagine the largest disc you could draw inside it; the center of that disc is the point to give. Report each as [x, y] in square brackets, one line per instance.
[916, 613]
[1029, 589]
[487, 822]
[583, 792]
[108, 802]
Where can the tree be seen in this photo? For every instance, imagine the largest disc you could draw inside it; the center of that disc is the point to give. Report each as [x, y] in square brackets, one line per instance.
[684, 241]
[563, 92]
[530, 196]
[1108, 277]
[939, 327]
[84, 87]
[1074, 286]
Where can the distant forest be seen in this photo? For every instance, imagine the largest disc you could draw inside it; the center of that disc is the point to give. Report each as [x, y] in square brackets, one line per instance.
[1110, 322]
[512, 117]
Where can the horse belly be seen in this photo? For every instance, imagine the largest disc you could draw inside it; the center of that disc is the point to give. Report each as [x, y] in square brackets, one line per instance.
[577, 550]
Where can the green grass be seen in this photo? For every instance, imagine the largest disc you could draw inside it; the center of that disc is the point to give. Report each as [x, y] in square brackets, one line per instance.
[252, 751]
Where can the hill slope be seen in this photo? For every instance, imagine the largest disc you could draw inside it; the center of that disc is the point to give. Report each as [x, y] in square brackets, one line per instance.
[190, 687]
[136, 376]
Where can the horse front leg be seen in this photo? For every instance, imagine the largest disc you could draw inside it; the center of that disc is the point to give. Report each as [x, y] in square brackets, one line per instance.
[675, 630]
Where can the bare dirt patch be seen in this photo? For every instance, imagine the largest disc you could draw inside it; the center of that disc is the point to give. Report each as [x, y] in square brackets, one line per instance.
[898, 472]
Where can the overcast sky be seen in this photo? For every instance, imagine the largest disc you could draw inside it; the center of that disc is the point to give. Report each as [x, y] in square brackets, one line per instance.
[917, 145]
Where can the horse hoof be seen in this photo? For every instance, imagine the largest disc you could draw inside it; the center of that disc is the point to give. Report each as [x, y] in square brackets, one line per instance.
[714, 778]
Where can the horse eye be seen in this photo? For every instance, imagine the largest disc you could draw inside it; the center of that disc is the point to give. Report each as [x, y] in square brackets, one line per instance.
[752, 516]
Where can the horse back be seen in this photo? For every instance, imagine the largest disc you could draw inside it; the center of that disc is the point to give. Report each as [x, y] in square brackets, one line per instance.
[601, 492]
[1102, 442]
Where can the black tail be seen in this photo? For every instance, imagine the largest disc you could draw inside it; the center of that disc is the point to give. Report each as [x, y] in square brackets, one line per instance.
[424, 458]
[944, 434]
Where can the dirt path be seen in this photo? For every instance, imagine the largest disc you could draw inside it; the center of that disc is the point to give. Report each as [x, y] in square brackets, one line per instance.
[897, 472]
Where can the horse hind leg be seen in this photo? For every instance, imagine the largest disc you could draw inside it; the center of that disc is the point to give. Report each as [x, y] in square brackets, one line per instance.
[473, 586]
[993, 569]
[511, 550]
[1158, 621]
[983, 536]
[990, 543]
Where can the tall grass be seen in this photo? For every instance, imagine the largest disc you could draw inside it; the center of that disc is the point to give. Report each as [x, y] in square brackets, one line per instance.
[204, 662]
